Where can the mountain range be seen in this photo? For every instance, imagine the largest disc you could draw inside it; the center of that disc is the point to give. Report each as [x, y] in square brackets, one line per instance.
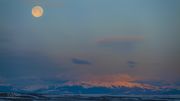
[94, 87]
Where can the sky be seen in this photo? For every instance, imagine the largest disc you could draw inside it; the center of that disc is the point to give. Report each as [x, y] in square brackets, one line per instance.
[90, 40]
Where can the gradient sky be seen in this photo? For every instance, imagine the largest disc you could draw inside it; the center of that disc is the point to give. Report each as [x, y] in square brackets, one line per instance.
[85, 39]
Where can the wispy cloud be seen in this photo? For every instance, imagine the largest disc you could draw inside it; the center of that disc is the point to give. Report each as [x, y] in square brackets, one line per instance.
[120, 42]
[131, 64]
[117, 39]
[81, 61]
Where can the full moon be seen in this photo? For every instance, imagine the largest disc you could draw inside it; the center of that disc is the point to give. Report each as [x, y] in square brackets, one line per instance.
[37, 11]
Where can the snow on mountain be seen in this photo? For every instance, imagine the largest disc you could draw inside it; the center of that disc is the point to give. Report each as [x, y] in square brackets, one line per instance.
[93, 87]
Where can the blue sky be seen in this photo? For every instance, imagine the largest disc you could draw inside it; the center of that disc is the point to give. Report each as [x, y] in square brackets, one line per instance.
[104, 33]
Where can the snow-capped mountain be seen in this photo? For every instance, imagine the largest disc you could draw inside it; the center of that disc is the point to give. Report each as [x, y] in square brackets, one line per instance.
[92, 87]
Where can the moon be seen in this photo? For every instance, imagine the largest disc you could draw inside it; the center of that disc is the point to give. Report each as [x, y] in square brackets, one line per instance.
[37, 11]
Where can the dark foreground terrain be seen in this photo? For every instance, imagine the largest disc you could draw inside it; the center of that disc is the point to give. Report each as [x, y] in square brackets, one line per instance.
[40, 97]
